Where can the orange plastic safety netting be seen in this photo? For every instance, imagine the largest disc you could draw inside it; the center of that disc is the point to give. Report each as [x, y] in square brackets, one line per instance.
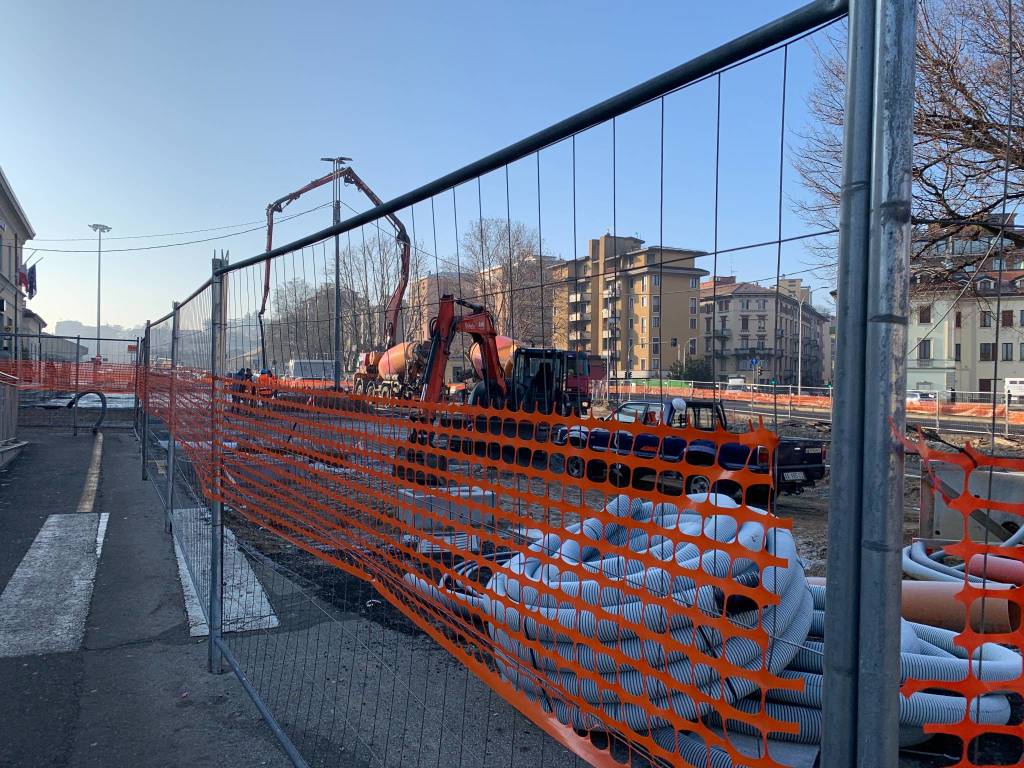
[991, 677]
[623, 587]
[64, 376]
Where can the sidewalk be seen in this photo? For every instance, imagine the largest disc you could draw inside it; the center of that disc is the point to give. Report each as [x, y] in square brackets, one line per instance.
[132, 688]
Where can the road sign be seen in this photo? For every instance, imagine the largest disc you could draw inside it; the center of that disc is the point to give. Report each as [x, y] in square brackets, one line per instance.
[753, 362]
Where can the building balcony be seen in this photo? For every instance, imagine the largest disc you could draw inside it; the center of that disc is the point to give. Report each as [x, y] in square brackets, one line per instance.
[579, 298]
[610, 333]
[578, 317]
[609, 314]
[721, 333]
[931, 364]
[611, 293]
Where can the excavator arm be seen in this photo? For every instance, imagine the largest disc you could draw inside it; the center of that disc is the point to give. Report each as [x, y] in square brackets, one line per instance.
[479, 324]
[346, 174]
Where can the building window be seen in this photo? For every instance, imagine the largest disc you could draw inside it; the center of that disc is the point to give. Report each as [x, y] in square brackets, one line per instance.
[761, 320]
[762, 304]
[632, 302]
[1021, 323]
[760, 342]
[745, 304]
[656, 321]
[723, 321]
[924, 349]
[1007, 319]
[924, 314]
[744, 323]
[695, 282]
[655, 346]
[656, 303]
[984, 385]
[986, 319]
[956, 352]
[958, 320]
[723, 305]
[707, 344]
[1007, 350]
[655, 280]
[744, 342]
[693, 347]
[693, 323]
[707, 325]
[656, 363]
[693, 305]
[987, 352]
[643, 301]
[643, 325]
[632, 322]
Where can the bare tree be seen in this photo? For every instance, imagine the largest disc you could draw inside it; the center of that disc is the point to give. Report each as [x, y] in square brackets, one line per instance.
[962, 126]
[506, 264]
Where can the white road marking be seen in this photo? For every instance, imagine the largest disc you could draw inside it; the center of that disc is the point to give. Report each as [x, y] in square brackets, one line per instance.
[245, 605]
[46, 603]
[92, 477]
[101, 532]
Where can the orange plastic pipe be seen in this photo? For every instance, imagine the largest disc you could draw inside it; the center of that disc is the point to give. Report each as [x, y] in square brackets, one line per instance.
[935, 603]
[997, 568]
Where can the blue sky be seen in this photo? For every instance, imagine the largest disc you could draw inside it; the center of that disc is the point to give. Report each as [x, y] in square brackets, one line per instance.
[163, 117]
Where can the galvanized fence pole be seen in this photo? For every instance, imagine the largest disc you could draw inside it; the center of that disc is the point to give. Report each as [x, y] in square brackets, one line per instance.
[145, 404]
[135, 388]
[862, 652]
[74, 410]
[218, 313]
[172, 433]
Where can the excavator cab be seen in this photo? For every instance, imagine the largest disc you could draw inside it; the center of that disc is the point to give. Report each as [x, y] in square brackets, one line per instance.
[538, 380]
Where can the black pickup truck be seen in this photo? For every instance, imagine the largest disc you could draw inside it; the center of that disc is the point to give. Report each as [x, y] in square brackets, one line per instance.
[799, 462]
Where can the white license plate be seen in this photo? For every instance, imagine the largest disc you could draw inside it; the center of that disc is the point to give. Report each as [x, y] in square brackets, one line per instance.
[792, 475]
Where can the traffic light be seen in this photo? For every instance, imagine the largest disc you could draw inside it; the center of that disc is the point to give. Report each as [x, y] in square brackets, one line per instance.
[760, 370]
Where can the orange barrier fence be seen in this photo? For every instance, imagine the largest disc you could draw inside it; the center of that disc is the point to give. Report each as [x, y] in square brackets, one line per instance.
[52, 376]
[988, 672]
[583, 585]
[786, 400]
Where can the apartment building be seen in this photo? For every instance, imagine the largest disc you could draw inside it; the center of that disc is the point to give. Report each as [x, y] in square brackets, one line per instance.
[15, 230]
[960, 333]
[421, 299]
[763, 333]
[637, 306]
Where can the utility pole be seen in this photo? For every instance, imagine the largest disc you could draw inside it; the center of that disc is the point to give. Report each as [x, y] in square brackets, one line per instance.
[336, 164]
[99, 229]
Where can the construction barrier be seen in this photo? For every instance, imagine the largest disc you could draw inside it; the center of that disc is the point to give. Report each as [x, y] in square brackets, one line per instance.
[585, 588]
[994, 674]
[70, 376]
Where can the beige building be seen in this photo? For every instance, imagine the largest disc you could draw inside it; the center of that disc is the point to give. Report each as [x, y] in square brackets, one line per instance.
[15, 230]
[957, 337]
[738, 325]
[636, 306]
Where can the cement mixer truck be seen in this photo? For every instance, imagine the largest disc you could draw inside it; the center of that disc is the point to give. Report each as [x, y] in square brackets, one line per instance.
[394, 372]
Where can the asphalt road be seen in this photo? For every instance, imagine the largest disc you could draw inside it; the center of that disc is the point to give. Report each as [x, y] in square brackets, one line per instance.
[132, 689]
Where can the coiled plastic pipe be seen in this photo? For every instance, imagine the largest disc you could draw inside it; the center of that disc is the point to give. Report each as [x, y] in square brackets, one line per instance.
[513, 601]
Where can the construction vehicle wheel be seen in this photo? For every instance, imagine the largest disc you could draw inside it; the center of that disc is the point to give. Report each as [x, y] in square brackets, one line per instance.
[575, 466]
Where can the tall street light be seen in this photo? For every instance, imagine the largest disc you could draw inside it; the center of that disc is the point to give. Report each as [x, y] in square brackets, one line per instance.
[99, 229]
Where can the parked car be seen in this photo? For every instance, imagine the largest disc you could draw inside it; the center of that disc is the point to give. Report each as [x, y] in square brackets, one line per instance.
[799, 462]
[921, 396]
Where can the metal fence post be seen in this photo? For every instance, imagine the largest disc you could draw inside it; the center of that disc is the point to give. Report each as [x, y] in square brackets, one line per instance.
[145, 404]
[74, 411]
[138, 364]
[218, 314]
[172, 432]
[861, 664]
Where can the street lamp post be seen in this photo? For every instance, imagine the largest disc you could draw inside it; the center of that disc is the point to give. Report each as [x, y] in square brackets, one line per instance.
[336, 165]
[99, 229]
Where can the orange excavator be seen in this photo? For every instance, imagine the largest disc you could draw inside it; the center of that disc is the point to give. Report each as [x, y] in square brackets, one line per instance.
[367, 360]
[493, 390]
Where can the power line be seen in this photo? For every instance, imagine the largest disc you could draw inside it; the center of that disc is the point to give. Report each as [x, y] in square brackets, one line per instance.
[173, 245]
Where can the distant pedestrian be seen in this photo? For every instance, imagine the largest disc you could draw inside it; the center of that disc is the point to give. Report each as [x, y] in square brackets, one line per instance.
[952, 394]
